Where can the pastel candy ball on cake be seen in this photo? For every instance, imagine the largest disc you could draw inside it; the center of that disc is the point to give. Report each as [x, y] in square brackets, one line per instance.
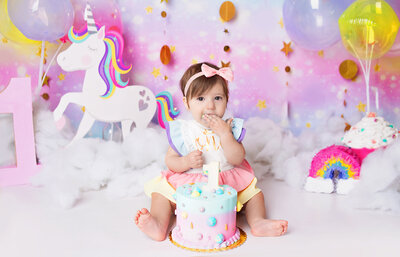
[201, 223]
[211, 221]
[206, 215]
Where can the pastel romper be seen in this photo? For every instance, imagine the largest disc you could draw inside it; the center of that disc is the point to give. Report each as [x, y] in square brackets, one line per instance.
[186, 136]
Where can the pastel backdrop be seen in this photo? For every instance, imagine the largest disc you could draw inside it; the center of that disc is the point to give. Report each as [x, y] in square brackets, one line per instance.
[313, 89]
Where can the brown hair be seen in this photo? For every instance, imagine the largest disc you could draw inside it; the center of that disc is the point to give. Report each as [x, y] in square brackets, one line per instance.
[201, 84]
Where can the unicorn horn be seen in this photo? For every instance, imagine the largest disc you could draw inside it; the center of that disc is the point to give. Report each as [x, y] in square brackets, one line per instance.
[91, 25]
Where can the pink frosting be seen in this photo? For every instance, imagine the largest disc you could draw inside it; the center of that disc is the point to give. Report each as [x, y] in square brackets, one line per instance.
[193, 230]
[177, 237]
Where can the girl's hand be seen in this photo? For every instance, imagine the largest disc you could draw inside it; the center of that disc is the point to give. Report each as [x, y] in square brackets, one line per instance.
[194, 159]
[218, 125]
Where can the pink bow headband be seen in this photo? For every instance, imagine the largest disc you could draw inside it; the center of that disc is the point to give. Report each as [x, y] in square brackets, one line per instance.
[207, 71]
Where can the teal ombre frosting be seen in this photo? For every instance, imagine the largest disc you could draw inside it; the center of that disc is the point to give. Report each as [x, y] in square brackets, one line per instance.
[206, 202]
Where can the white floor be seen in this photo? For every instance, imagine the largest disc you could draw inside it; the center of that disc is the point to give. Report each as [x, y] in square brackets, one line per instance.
[31, 224]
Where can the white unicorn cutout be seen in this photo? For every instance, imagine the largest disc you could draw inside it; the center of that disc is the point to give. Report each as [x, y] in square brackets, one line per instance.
[104, 95]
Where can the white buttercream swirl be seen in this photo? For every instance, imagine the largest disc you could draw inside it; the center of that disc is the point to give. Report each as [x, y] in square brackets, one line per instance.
[371, 132]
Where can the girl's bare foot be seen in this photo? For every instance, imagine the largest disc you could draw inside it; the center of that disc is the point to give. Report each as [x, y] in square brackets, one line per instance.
[266, 227]
[149, 225]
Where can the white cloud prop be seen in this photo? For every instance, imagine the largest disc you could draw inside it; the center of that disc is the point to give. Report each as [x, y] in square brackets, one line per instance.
[122, 168]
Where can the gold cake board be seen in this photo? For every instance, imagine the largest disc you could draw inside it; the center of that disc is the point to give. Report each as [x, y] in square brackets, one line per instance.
[239, 242]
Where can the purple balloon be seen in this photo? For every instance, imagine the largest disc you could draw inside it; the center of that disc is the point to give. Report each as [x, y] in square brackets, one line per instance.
[46, 20]
[395, 49]
[313, 24]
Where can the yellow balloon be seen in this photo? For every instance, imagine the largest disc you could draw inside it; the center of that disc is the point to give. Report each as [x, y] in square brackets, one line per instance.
[8, 29]
[368, 28]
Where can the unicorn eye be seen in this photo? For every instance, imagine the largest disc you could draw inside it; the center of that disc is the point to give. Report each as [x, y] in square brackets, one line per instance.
[92, 48]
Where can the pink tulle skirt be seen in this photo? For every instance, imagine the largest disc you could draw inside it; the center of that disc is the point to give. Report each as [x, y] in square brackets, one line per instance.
[238, 177]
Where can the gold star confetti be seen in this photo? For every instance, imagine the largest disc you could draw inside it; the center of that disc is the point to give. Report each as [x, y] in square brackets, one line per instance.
[321, 53]
[308, 125]
[361, 107]
[39, 52]
[194, 61]
[83, 108]
[149, 9]
[172, 49]
[156, 72]
[212, 56]
[261, 104]
[275, 68]
[281, 22]
[165, 77]
[46, 81]
[164, 1]
[4, 40]
[61, 77]
[377, 68]
[228, 64]
[286, 48]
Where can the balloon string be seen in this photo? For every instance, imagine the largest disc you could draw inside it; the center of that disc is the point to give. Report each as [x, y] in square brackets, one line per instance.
[51, 61]
[39, 86]
[364, 71]
[369, 61]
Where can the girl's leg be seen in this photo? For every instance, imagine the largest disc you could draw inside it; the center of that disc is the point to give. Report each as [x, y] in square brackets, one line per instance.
[156, 222]
[259, 224]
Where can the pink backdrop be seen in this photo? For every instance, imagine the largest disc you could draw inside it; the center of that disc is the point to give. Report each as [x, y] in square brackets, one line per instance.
[314, 88]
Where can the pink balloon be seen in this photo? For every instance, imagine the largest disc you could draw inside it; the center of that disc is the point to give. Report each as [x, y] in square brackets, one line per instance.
[395, 50]
[105, 13]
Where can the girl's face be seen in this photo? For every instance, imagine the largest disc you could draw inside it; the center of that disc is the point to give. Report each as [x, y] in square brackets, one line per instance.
[211, 102]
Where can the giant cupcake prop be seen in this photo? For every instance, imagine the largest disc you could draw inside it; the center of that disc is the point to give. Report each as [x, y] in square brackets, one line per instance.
[337, 168]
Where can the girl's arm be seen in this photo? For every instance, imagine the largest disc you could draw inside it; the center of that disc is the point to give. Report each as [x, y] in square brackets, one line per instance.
[233, 150]
[178, 163]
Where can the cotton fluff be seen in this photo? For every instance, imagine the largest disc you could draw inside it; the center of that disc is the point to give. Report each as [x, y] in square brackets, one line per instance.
[92, 163]
[122, 168]
[379, 185]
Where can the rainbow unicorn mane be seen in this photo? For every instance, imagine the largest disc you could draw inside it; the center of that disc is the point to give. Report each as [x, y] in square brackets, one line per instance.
[166, 111]
[111, 66]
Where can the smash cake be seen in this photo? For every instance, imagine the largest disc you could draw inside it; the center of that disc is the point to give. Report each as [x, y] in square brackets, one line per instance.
[206, 215]
[337, 168]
